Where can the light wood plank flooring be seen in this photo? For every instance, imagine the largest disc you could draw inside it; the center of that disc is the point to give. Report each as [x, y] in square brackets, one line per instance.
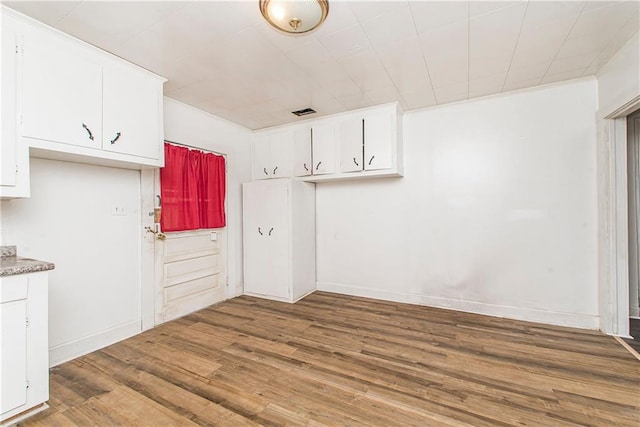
[338, 360]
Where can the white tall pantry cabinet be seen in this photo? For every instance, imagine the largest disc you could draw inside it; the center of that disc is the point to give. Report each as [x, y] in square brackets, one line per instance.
[279, 239]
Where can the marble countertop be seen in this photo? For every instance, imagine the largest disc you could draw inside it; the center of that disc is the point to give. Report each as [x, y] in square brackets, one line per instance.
[11, 264]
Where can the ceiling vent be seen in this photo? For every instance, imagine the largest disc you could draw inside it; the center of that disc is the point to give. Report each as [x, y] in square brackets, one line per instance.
[304, 112]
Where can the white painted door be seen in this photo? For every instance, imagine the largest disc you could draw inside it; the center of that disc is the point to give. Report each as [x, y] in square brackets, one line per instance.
[261, 157]
[193, 273]
[130, 123]
[13, 355]
[350, 141]
[324, 142]
[377, 141]
[61, 94]
[281, 151]
[302, 152]
[266, 238]
[8, 154]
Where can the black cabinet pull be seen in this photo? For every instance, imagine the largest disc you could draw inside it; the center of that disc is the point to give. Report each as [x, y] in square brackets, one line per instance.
[274, 170]
[355, 161]
[88, 131]
[305, 167]
[113, 141]
[259, 231]
[371, 160]
[318, 165]
[265, 171]
[270, 231]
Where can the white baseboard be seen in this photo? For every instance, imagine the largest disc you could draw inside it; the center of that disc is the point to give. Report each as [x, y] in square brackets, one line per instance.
[70, 350]
[583, 321]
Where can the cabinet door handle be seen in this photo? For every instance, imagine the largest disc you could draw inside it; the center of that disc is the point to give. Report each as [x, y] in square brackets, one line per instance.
[88, 131]
[318, 165]
[259, 231]
[274, 170]
[113, 141]
[355, 161]
[305, 167]
[270, 231]
[265, 171]
[371, 160]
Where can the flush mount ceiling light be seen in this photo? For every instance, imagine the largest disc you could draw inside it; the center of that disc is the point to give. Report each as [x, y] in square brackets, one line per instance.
[295, 16]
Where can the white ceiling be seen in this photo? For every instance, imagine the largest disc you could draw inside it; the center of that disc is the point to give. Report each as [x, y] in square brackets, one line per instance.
[222, 57]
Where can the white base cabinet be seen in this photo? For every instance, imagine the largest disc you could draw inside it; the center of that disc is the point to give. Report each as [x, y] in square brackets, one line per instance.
[279, 239]
[24, 343]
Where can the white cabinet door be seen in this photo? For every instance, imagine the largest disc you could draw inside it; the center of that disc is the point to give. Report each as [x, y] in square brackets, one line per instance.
[261, 156]
[324, 142]
[13, 354]
[281, 150]
[8, 154]
[350, 139]
[377, 141]
[131, 112]
[266, 238]
[302, 152]
[61, 93]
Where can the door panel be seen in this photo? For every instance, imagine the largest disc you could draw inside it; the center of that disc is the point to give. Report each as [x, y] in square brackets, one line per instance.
[302, 152]
[261, 157]
[63, 104]
[193, 273]
[132, 130]
[266, 242]
[324, 142]
[13, 354]
[377, 141]
[350, 140]
[281, 150]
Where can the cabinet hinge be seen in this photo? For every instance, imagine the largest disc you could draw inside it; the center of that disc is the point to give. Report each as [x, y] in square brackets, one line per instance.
[27, 322]
[16, 169]
[27, 382]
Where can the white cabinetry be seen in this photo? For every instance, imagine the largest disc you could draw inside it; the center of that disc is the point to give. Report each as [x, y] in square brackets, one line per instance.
[314, 150]
[272, 155]
[371, 141]
[359, 144]
[24, 352]
[14, 155]
[76, 102]
[279, 239]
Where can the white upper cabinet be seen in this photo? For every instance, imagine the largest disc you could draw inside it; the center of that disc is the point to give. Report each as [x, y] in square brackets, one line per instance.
[272, 155]
[130, 124]
[76, 102]
[378, 137]
[323, 139]
[14, 155]
[302, 162]
[61, 93]
[350, 132]
[359, 144]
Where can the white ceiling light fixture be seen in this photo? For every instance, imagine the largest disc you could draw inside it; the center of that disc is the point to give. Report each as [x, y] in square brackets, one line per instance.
[295, 16]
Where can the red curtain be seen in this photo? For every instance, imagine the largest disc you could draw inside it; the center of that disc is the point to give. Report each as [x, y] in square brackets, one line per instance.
[192, 187]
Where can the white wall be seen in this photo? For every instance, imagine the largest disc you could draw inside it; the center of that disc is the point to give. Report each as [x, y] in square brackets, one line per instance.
[188, 125]
[94, 291]
[496, 213]
[618, 90]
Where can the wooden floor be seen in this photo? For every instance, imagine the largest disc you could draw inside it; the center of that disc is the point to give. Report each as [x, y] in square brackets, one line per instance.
[337, 360]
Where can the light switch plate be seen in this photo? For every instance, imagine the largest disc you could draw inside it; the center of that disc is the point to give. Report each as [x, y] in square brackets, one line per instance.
[214, 236]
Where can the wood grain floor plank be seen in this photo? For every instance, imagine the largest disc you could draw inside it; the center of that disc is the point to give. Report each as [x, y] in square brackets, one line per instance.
[337, 360]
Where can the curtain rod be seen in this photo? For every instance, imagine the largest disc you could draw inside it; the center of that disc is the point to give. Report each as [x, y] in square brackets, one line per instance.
[194, 148]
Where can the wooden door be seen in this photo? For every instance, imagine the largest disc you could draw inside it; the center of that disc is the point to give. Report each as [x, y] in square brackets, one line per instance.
[324, 142]
[61, 93]
[266, 238]
[130, 123]
[377, 141]
[350, 140]
[302, 152]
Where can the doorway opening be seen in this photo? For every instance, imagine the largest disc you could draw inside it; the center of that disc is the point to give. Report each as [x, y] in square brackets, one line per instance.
[633, 187]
